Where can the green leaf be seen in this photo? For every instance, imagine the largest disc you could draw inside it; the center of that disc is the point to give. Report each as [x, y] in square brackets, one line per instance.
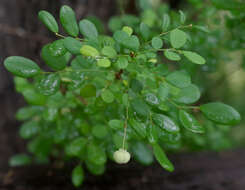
[77, 176]
[54, 62]
[188, 95]
[72, 45]
[57, 48]
[27, 112]
[149, 17]
[40, 146]
[128, 30]
[179, 79]
[116, 124]
[152, 133]
[162, 158]
[194, 57]
[88, 29]
[50, 114]
[76, 147]
[140, 107]
[145, 31]
[104, 62]
[122, 63]
[156, 43]
[100, 131]
[95, 169]
[98, 23]
[33, 97]
[151, 99]
[19, 160]
[120, 36]
[29, 129]
[136, 85]
[165, 123]
[221, 113]
[190, 122]
[68, 20]
[142, 153]
[49, 84]
[89, 90]
[89, 51]
[182, 17]
[48, 20]
[21, 84]
[21, 66]
[171, 55]
[115, 23]
[163, 91]
[109, 52]
[107, 96]
[95, 154]
[177, 38]
[165, 22]
[132, 43]
[138, 127]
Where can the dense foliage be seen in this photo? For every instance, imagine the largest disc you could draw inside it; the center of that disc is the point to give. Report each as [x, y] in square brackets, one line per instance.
[104, 96]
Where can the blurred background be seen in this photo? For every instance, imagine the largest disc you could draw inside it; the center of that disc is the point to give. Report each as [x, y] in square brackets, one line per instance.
[222, 43]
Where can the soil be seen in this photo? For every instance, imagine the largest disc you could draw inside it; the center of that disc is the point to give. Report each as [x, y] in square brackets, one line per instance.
[21, 34]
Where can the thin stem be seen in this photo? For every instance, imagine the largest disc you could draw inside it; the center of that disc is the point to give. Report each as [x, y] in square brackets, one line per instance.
[164, 33]
[125, 126]
[82, 70]
[60, 35]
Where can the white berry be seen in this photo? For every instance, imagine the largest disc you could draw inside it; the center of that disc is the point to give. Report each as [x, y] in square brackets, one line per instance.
[121, 156]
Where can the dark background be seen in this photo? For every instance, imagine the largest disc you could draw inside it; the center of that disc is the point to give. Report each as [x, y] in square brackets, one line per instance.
[22, 34]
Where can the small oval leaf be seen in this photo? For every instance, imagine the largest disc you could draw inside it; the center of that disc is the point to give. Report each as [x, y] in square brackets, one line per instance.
[68, 20]
[190, 122]
[172, 55]
[88, 29]
[104, 62]
[177, 38]
[77, 176]
[54, 62]
[188, 95]
[165, 123]
[72, 45]
[138, 127]
[142, 153]
[107, 96]
[162, 158]
[194, 57]
[109, 52]
[165, 22]
[89, 51]
[179, 79]
[156, 43]
[19, 160]
[21, 66]
[221, 113]
[49, 84]
[145, 31]
[49, 21]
